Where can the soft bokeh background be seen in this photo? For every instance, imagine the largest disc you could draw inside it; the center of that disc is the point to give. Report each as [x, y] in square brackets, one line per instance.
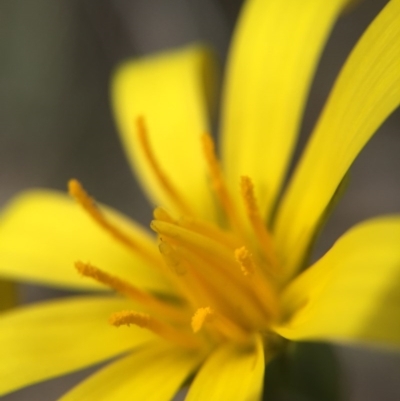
[55, 123]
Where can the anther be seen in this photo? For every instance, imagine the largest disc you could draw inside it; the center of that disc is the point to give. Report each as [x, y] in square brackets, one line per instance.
[161, 214]
[171, 258]
[126, 318]
[218, 182]
[129, 291]
[225, 238]
[218, 321]
[200, 317]
[160, 175]
[205, 247]
[261, 287]
[253, 213]
[89, 205]
[245, 260]
[163, 330]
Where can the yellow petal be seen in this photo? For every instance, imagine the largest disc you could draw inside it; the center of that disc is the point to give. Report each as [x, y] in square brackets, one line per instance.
[154, 373]
[352, 294]
[172, 92]
[43, 233]
[275, 51]
[50, 339]
[231, 373]
[366, 92]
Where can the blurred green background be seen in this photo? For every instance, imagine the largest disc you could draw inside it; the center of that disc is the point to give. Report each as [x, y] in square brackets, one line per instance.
[56, 58]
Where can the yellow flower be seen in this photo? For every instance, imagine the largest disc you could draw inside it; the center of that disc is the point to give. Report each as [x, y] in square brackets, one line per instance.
[218, 293]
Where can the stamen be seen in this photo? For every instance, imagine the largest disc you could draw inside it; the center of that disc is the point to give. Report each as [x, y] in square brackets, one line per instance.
[245, 259]
[190, 284]
[162, 178]
[161, 214]
[206, 248]
[266, 294]
[218, 182]
[128, 290]
[126, 318]
[89, 205]
[203, 245]
[223, 325]
[205, 282]
[164, 330]
[171, 258]
[199, 318]
[215, 264]
[253, 213]
[226, 238]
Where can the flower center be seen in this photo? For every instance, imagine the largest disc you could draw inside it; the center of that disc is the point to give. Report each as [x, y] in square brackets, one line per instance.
[222, 279]
[226, 279]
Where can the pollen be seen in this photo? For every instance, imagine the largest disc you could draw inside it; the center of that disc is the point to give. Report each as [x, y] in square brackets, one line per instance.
[165, 330]
[126, 318]
[245, 260]
[262, 234]
[200, 317]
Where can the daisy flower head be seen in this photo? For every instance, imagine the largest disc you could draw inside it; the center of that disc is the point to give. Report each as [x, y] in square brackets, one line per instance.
[218, 287]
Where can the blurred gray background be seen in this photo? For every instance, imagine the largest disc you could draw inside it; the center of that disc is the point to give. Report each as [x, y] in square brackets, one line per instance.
[55, 123]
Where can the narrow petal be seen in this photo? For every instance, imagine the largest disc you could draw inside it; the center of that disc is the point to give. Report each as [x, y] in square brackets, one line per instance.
[352, 294]
[154, 373]
[366, 92]
[231, 373]
[275, 51]
[43, 233]
[172, 91]
[50, 339]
